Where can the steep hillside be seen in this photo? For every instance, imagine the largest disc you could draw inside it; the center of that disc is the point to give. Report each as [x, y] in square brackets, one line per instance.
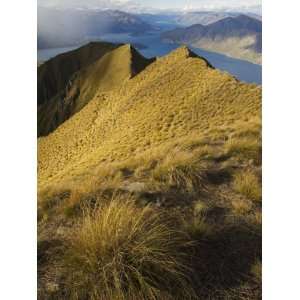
[53, 75]
[239, 37]
[153, 189]
[110, 70]
[175, 96]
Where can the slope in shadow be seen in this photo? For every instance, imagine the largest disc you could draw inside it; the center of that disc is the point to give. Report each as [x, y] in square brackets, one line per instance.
[223, 260]
[109, 71]
[53, 75]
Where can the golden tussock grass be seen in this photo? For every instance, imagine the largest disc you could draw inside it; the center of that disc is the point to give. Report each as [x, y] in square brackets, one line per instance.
[119, 251]
[245, 148]
[241, 206]
[177, 132]
[197, 227]
[175, 97]
[256, 271]
[247, 184]
[180, 170]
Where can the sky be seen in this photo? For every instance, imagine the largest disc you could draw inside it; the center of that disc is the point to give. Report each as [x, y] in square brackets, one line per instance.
[160, 4]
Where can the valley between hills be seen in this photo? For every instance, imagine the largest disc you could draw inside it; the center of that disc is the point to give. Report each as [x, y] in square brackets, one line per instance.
[149, 177]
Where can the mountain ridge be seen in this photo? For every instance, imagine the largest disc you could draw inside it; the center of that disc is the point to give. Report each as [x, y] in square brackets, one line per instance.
[239, 37]
[108, 71]
[174, 96]
[207, 17]
[48, 73]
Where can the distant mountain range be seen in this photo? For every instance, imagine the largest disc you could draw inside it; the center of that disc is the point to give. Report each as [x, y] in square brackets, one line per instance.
[239, 37]
[68, 27]
[208, 17]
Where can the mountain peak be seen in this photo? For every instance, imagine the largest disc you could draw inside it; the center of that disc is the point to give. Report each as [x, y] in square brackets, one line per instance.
[113, 67]
[123, 116]
[184, 52]
[134, 58]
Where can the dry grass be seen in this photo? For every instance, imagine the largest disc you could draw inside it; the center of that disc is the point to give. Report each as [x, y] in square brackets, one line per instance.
[200, 208]
[241, 206]
[174, 134]
[121, 250]
[174, 97]
[247, 184]
[180, 170]
[256, 271]
[244, 147]
[197, 227]
[196, 224]
[73, 90]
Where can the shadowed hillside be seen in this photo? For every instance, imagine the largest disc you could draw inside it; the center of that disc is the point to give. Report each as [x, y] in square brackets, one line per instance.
[110, 69]
[152, 189]
[53, 75]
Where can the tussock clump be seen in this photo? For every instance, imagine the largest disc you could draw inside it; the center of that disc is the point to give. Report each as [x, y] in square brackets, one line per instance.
[182, 171]
[49, 200]
[247, 184]
[121, 251]
[256, 271]
[241, 206]
[197, 227]
[246, 147]
[196, 224]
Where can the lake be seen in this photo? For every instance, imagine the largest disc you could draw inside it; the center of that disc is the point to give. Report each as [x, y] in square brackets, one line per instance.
[241, 69]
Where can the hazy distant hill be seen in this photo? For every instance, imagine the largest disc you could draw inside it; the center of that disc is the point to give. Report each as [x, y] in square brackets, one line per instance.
[207, 17]
[66, 27]
[238, 37]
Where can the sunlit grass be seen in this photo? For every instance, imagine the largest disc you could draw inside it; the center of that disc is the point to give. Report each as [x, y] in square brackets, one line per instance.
[122, 250]
[247, 184]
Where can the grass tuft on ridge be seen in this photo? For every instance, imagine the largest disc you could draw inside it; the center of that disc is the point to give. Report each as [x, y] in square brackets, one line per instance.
[247, 184]
[121, 251]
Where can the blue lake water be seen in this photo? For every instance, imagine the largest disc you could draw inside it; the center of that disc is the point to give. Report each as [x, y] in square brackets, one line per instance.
[243, 70]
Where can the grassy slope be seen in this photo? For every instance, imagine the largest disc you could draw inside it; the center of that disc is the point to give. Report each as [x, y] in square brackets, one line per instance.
[53, 75]
[110, 70]
[54, 79]
[181, 137]
[176, 96]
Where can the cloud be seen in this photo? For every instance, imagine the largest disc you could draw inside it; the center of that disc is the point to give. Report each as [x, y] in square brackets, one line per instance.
[176, 4]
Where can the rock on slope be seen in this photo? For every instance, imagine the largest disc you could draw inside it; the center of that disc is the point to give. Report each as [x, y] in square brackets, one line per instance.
[68, 81]
[176, 96]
